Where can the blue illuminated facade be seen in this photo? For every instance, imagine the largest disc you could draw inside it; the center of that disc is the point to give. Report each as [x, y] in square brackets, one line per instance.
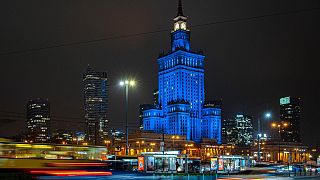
[181, 108]
[211, 120]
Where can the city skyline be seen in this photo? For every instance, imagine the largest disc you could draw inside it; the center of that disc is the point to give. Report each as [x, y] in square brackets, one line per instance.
[247, 85]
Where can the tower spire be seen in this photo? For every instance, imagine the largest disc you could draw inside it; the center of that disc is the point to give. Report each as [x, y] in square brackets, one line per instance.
[180, 13]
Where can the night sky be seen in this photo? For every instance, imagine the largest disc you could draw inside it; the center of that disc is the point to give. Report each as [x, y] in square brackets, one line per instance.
[250, 62]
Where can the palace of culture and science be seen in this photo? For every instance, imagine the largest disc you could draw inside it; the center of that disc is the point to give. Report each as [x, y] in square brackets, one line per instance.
[181, 108]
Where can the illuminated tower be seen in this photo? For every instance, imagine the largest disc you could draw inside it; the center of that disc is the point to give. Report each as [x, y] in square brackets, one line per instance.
[290, 113]
[96, 105]
[244, 130]
[38, 120]
[181, 88]
[181, 83]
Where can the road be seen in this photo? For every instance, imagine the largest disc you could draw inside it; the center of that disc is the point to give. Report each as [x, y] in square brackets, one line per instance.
[134, 176]
[120, 175]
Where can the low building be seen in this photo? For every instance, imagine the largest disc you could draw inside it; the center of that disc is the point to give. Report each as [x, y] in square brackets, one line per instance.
[281, 152]
[143, 141]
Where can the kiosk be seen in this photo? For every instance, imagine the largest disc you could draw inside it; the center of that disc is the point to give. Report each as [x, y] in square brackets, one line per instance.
[228, 164]
[167, 162]
[162, 162]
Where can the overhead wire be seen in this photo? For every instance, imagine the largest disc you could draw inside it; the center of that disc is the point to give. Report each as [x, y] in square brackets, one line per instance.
[114, 37]
[18, 116]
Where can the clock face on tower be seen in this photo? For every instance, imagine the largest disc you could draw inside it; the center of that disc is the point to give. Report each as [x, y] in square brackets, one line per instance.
[183, 26]
[180, 25]
[176, 26]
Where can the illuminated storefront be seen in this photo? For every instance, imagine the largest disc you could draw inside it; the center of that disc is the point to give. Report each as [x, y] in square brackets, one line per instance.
[158, 161]
[228, 164]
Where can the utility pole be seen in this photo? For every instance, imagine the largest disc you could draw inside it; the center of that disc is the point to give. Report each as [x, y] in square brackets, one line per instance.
[279, 131]
[126, 84]
[127, 144]
[259, 134]
[162, 147]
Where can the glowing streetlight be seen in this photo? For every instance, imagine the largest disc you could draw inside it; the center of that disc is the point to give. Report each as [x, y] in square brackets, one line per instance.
[279, 126]
[266, 116]
[126, 84]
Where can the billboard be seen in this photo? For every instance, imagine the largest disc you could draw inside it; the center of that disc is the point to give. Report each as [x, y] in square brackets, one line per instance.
[220, 165]
[213, 164]
[150, 163]
[141, 163]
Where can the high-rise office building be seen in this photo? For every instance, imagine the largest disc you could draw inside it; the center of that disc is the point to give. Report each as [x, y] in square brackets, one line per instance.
[96, 105]
[244, 130]
[181, 108]
[290, 113]
[38, 120]
[229, 131]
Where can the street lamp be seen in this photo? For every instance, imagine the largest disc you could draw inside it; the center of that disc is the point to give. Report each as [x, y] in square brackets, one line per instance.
[126, 84]
[279, 126]
[266, 116]
[173, 138]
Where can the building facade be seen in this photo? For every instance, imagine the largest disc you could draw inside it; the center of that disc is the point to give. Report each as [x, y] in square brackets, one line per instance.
[117, 135]
[38, 120]
[144, 107]
[96, 105]
[181, 100]
[229, 131]
[290, 113]
[155, 97]
[244, 130]
[143, 141]
[211, 120]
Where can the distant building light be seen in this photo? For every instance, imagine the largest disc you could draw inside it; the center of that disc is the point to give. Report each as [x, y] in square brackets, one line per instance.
[285, 100]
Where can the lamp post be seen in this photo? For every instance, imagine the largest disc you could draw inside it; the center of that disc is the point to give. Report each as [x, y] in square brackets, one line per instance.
[126, 84]
[279, 125]
[267, 116]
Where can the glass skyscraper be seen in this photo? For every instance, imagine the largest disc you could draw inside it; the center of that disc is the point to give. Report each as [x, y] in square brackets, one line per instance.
[229, 131]
[244, 130]
[290, 112]
[38, 120]
[181, 109]
[96, 105]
